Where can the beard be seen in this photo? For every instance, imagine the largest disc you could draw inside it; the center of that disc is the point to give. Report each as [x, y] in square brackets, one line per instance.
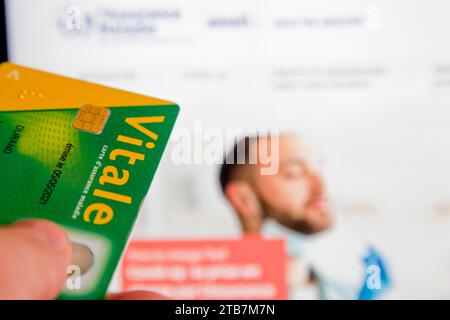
[307, 221]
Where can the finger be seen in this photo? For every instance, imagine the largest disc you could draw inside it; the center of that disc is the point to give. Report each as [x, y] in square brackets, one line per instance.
[137, 295]
[34, 257]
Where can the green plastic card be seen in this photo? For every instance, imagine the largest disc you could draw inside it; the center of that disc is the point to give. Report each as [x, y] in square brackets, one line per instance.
[87, 169]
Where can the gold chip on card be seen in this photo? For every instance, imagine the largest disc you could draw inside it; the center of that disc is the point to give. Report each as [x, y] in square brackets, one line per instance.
[91, 118]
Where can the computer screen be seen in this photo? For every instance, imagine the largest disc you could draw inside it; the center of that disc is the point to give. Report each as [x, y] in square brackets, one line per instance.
[3, 49]
[364, 84]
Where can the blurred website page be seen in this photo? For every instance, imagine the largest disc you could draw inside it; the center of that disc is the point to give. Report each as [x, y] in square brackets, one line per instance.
[365, 83]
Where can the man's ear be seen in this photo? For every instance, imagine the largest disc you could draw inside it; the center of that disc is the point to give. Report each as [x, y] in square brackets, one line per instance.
[243, 199]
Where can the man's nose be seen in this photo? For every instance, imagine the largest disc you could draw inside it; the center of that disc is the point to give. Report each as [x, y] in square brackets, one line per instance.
[315, 179]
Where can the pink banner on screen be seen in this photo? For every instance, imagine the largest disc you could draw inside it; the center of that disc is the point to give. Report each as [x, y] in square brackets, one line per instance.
[247, 268]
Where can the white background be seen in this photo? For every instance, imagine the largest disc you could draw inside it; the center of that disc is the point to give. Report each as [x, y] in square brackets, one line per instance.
[369, 90]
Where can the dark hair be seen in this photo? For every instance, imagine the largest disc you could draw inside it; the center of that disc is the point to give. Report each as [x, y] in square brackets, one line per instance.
[233, 160]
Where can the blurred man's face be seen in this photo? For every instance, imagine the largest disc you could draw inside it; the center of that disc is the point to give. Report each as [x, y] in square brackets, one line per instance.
[295, 195]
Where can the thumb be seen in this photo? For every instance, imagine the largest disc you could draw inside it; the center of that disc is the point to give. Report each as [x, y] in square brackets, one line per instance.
[34, 255]
[137, 295]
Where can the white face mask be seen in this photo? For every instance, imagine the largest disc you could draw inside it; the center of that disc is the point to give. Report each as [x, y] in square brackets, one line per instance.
[297, 244]
[295, 241]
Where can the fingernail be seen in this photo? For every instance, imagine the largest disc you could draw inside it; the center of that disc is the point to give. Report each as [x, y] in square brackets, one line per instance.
[54, 236]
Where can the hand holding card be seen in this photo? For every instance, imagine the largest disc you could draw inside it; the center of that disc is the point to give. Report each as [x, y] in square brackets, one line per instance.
[83, 156]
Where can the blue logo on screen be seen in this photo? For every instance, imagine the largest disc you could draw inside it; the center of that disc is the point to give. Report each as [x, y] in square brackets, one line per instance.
[75, 21]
